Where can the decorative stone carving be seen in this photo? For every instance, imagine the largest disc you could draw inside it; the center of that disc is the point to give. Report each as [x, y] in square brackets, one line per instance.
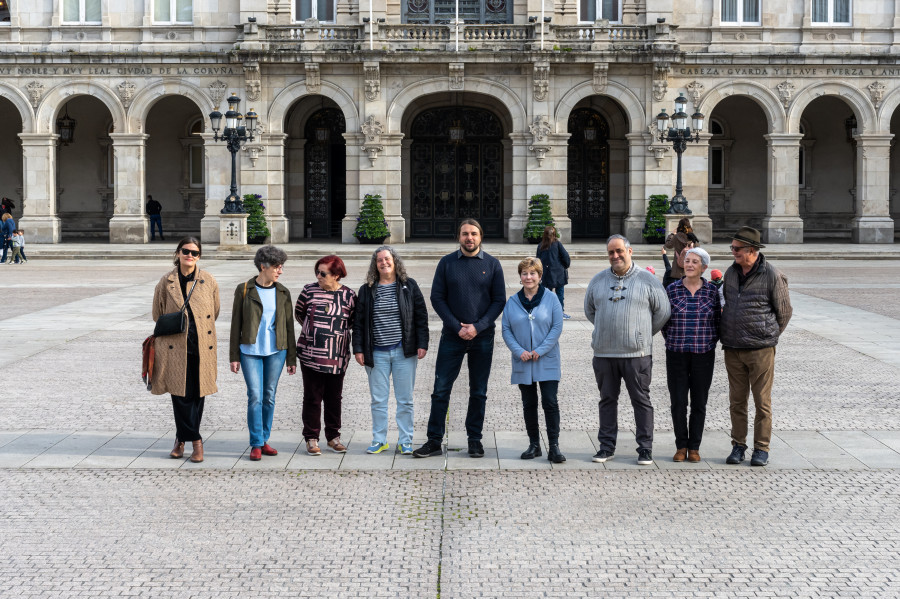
[216, 92]
[251, 78]
[540, 132]
[313, 77]
[876, 90]
[457, 70]
[661, 81]
[372, 129]
[658, 151]
[541, 80]
[126, 93]
[253, 153]
[373, 80]
[695, 91]
[601, 77]
[786, 91]
[35, 92]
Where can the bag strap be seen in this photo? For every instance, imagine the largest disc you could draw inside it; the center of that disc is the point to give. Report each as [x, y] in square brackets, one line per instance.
[245, 288]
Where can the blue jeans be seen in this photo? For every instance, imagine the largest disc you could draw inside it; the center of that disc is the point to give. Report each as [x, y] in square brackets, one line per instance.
[451, 352]
[261, 373]
[392, 365]
[560, 294]
[155, 220]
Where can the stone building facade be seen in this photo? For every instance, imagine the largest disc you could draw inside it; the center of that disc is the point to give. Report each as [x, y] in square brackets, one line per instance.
[448, 117]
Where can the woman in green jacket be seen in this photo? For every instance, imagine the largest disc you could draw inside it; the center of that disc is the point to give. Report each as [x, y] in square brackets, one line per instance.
[262, 340]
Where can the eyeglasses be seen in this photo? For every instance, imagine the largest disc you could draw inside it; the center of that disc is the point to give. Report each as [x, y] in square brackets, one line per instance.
[322, 273]
[278, 268]
[187, 252]
[737, 248]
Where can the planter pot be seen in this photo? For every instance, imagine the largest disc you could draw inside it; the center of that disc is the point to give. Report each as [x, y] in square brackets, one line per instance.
[533, 240]
[372, 240]
[659, 240]
[256, 240]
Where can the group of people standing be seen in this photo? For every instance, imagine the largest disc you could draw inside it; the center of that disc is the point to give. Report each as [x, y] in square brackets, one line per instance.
[12, 238]
[385, 327]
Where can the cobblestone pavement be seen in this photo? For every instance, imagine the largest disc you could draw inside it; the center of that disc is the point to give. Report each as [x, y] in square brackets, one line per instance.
[82, 517]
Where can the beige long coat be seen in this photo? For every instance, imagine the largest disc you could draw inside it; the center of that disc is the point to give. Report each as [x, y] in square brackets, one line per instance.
[170, 368]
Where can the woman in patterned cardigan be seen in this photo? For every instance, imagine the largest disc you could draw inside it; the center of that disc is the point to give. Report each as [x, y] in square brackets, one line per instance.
[325, 310]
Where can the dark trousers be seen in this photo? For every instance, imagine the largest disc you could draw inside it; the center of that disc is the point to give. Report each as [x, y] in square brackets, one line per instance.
[636, 372]
[155, 224]
[7, 246]
[688, 373]
[550, 404]
[560, 295]
[188, 408]
[321, 388]
[451, 351]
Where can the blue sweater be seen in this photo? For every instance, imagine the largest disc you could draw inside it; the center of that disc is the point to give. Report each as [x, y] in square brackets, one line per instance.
[470, 290]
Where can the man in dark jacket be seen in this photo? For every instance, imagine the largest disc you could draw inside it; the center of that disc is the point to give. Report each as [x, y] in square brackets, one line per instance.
[757, 310]
[468, 293]
[154, 211]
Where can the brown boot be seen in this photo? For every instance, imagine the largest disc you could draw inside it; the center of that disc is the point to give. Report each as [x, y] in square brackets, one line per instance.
[197, 455]
[680, 455]
[693, 455]
[178, 451]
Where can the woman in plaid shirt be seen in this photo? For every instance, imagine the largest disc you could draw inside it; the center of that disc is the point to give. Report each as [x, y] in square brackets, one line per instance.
[691, 336]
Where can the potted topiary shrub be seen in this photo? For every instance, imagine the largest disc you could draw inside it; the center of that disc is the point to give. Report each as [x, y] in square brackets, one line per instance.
[654, 231]
[257, 227]
[539, 216]
[371, 226]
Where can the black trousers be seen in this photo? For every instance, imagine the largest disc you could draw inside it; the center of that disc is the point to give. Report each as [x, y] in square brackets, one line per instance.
[188, 408]
[550, 404]
[688, 373]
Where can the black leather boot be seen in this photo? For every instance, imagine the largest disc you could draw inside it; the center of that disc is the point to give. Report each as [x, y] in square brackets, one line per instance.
[533, 451]
[554, 455]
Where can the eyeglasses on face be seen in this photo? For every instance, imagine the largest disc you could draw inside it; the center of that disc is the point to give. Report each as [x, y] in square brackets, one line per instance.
[737, 248]
[323, 273]
[278, 268]
[187, 252]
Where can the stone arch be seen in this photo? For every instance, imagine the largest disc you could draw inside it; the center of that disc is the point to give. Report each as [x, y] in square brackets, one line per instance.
[21, 103]
[56, 97]
[886, 111]
[438, 85]
[278, 110]
[860, 105]
[762, 95]
[155, 91]
[623, 96]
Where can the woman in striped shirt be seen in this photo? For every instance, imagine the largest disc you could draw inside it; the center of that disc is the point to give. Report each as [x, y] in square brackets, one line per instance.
[390, 334]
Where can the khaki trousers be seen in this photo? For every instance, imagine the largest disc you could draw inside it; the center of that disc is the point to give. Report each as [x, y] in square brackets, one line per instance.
[751, 370]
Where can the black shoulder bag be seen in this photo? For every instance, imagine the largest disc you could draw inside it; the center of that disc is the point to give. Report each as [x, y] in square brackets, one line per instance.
[174, 323]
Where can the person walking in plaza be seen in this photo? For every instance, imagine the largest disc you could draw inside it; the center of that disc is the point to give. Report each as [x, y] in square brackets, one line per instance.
[154, 211]
[468, 293]
[186, 362]
[325, 310]
[18, 242]
[7, 230]
[627, 306]
[756, 312]
[531, 325]
[390, 336]
[262, 341]
[691, 335]
[555, 260]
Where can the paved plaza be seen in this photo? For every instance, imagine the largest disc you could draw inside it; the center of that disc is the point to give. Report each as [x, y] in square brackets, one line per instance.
[92, 506]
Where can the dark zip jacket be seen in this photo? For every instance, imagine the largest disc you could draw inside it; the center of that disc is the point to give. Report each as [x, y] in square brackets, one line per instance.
[413, 320]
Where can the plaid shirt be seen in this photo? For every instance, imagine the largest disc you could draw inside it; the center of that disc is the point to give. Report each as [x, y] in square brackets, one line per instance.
[694, 324]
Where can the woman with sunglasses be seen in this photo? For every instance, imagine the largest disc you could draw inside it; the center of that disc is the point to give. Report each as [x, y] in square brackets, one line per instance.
[262, 340]
[185, 363]
[325, 310]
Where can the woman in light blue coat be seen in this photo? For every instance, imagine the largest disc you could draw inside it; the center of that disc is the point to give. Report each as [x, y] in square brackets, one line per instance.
[532, 325]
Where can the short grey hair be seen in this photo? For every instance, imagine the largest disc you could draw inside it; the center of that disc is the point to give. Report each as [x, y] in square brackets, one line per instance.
[617, 236]
[373, 276]
[269, 255]
[703, 254]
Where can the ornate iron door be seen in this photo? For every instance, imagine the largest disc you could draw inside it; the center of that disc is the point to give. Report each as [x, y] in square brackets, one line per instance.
[325, 160]
[456, 180]
[588, 174]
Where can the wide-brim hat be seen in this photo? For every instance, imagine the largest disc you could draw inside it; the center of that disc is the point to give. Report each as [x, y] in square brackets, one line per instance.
[750, 236]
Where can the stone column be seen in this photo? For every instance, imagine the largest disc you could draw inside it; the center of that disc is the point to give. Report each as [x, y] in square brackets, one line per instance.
[381, 178]
[262, 172]
[695, 180]
[406, 184]
[873, 222]
[39, 219]
[515, 226]
[217, 175]
[782, 223]
[646, 176]
[129, 223]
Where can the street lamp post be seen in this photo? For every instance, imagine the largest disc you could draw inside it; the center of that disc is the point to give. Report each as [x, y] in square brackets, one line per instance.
[235, 136]
[679, 134]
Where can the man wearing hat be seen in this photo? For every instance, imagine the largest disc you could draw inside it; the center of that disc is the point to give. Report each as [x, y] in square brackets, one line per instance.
[757, 310]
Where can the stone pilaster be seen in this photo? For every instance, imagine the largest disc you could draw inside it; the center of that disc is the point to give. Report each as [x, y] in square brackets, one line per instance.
[645, 177]
[695, 180]
[129, 223]
[356, 161]
[39, 210]
[782, 223]
[262, 172]
[873, 222]
[217, 174]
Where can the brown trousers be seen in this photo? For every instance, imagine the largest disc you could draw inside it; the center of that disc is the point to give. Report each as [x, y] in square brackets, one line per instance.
[751, 370]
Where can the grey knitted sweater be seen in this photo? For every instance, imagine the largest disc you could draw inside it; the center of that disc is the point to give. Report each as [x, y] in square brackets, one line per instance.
[624, 328]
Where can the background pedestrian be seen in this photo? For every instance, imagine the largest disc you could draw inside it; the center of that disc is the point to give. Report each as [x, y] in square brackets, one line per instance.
[555, 260]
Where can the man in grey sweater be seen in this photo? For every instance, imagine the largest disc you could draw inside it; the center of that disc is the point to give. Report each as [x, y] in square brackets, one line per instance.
[627, 305]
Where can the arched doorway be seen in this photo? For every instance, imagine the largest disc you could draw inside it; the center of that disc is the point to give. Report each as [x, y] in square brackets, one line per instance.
[325, 168]
[11, 150]
[588, 173]
[456, 171]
